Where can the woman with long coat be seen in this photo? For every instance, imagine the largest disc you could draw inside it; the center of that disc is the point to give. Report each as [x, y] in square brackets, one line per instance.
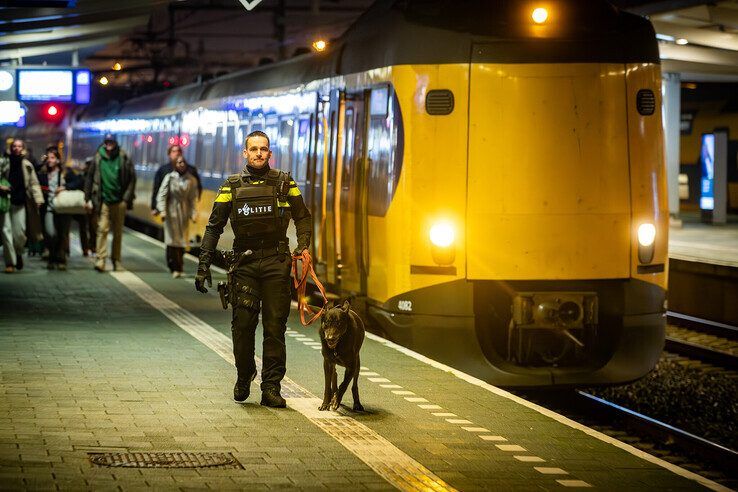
[177, 202]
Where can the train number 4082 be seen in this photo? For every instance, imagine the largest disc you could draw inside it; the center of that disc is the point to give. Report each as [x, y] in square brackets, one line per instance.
[405, 305]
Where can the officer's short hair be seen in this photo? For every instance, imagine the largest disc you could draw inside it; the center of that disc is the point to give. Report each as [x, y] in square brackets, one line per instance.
[257, 133]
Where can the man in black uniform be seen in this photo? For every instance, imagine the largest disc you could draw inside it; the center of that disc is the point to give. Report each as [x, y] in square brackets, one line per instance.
[259, 203]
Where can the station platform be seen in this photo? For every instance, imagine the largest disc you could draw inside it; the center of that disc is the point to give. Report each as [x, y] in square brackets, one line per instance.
[134, 367]
[705, 243]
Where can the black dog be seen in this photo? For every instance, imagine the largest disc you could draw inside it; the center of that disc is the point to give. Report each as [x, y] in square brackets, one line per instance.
[341, 335]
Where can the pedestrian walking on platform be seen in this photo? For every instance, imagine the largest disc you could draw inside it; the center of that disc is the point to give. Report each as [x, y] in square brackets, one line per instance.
[177, 203]
[56, 226]
[174, 154]
[21, 220]
[109, 192]
[259, 203]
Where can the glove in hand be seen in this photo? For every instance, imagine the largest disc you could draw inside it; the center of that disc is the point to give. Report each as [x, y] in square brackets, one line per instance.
[202, 276]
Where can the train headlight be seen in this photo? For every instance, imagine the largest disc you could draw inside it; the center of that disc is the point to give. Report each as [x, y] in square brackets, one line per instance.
[442, 234]
[646, 238]
[646, 234]
[539, 15]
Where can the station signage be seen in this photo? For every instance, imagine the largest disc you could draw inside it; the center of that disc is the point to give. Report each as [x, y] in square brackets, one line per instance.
[53, 85]
[714, 176]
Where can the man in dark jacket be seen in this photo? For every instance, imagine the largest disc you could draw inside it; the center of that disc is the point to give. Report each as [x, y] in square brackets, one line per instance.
[109, 192]
[174, 152]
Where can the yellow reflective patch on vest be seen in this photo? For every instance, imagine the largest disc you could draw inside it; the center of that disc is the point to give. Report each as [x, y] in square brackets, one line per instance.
[294, 191]
[223, 198]
[225, 188]
[283, 204]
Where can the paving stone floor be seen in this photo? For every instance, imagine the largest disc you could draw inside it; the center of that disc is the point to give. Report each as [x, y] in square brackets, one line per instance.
[86, 365]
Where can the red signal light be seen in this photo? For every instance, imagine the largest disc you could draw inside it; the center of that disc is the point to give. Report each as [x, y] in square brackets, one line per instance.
[53, 113]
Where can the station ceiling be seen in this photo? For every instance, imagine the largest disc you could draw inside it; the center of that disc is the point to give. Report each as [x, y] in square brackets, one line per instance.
[175, 42]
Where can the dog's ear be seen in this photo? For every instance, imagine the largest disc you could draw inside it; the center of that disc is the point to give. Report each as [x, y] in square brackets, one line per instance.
[345, 306]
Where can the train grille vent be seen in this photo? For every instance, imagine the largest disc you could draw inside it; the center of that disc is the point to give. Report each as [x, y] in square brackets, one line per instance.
[646, 102]
[439, 102]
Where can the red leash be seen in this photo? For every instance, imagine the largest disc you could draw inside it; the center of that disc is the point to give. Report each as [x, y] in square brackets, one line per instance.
[301, 286]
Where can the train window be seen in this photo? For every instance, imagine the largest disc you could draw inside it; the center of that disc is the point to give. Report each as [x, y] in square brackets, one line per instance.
[218, 153]
[188, 149]
[206, 143]
[272, 131]
[232, 148]
[284, 143]
[384, 153]
[300, 150]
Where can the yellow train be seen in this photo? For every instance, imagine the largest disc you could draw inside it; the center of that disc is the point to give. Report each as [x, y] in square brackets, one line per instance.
[490, 188]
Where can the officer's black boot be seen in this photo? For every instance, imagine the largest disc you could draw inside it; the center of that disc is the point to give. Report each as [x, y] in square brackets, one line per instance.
[242, 389]
[270, 397]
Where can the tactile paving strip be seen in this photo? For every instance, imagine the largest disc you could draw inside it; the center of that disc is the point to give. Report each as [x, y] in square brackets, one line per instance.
[165, 460]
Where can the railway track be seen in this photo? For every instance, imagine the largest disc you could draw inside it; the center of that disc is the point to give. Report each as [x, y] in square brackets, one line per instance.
[703, 340]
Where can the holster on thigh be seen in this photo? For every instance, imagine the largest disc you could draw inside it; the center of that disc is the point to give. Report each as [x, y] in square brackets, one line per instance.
[246, 296]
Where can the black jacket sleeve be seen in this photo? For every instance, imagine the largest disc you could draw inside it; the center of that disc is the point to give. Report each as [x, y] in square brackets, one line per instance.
[89, 178]
[218, 219]
[301, 215]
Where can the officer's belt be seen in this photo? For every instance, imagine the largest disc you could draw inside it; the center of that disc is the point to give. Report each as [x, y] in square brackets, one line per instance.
[262, 247]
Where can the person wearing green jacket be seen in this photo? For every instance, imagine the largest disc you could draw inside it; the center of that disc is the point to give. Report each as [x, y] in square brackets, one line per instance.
[109, 192]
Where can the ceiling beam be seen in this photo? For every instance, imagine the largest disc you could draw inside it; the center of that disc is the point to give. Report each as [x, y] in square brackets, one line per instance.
[117, 25]
[46, 49]
[705, 37]
[697, 54]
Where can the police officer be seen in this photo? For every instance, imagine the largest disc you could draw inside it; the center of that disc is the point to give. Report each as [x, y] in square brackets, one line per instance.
[259, 203]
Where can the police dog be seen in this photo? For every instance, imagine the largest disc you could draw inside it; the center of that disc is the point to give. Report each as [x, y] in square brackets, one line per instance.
[341, 336]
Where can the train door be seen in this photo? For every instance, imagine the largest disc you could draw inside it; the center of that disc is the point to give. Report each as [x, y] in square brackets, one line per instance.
[350, 186]
[340, 200]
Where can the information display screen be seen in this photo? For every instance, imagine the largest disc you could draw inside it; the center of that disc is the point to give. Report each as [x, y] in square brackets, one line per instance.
[45, 85]
[707, 180]
[54, 85]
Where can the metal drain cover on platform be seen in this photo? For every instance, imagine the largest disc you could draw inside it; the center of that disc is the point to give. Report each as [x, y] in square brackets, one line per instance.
[165, 460]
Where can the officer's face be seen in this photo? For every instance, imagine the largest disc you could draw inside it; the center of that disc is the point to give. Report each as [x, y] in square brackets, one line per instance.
[257, 152]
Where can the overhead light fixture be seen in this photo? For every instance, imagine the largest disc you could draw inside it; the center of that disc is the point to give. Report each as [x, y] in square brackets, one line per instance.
[539, 15]
[320, 45]
[103, 80]
[665, 37]
[681, 41]
[117, 66]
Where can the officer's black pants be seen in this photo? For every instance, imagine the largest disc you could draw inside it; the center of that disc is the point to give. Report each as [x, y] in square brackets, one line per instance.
[261, 284]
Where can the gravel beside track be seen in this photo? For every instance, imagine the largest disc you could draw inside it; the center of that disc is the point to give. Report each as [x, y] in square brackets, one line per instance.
[690, 395]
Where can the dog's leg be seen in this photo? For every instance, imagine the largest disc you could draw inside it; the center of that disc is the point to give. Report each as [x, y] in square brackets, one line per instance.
[328, 372]
[358, 407]
[338, 395]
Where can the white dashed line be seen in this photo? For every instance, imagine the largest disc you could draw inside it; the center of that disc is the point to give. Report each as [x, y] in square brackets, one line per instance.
[459, 421]
[573, 483]
[550, 471]
[493, 438]
[363, 373]
[390, 386]
[443, 414]
[510, 447]
[379, 380]
[475, 429]
[315, 347]
[403, 392]
[434, 407]
[415, 399]
[529, 459]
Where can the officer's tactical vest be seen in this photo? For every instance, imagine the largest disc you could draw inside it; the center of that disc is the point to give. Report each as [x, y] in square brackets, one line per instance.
[255, 211]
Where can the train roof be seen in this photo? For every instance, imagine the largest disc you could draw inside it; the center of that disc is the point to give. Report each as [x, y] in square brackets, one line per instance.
[400, 32]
